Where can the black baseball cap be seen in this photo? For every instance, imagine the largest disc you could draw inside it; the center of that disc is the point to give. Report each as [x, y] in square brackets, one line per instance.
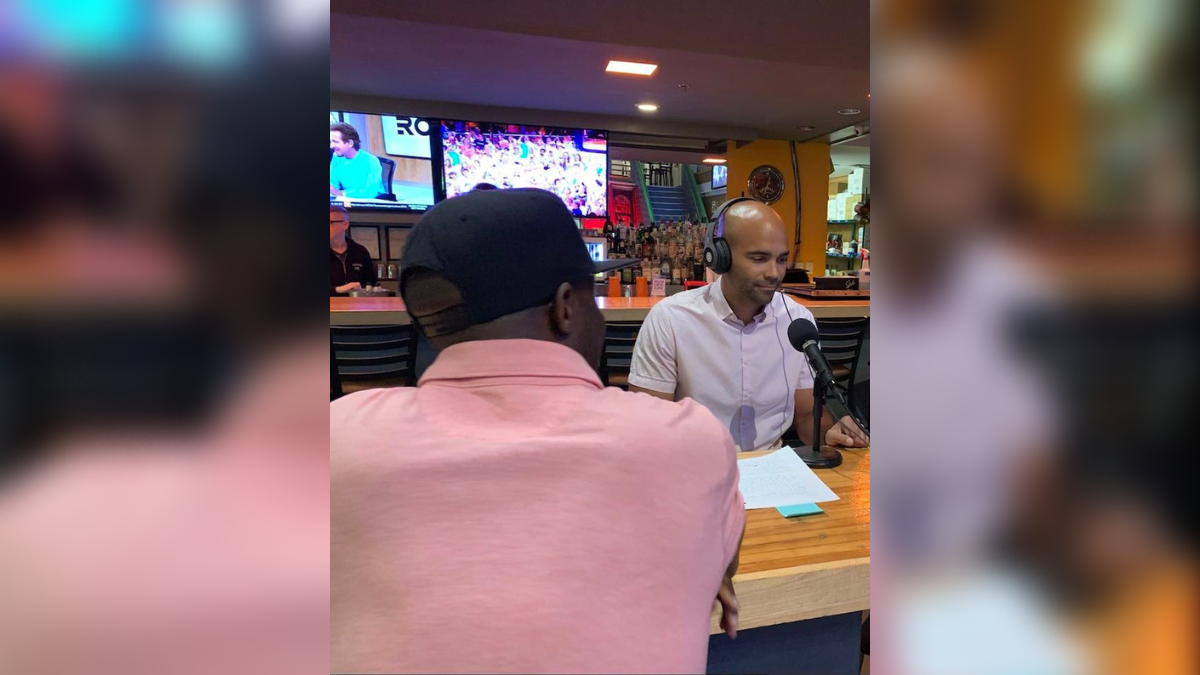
[504, 250]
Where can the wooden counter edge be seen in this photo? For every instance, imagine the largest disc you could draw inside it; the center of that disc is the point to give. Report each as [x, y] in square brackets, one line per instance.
[797, 593]
[350, 317]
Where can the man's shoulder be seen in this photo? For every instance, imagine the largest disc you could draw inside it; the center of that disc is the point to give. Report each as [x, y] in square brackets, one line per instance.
[361, 410]
[643, 414]
[358, 248]
[663, 434]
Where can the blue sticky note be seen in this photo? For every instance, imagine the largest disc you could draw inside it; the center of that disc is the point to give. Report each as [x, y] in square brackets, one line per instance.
[798, 510]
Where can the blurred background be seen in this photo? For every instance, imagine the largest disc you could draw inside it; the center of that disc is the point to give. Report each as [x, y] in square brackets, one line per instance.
[1036, 177]
[163, 492]
[163, 466]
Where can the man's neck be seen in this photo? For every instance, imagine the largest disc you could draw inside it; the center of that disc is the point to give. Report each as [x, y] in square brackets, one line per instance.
[338, 243]
[349, 153]
[744, 309]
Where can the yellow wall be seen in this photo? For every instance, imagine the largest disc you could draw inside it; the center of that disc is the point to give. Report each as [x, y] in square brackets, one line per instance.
[813, 162]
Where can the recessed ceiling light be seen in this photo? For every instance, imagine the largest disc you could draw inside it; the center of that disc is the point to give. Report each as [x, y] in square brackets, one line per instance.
[631, 68]
[807, 127]
[647, 107]
[849, 111]
[714, 160]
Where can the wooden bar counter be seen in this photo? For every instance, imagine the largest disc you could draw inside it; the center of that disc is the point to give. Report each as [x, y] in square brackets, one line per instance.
[390, 311]
[792, 569]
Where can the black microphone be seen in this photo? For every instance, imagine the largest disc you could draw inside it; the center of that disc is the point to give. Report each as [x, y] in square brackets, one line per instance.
[803, 335]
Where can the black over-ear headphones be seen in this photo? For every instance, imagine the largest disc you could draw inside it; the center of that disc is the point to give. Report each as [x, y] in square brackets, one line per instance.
[716, 250]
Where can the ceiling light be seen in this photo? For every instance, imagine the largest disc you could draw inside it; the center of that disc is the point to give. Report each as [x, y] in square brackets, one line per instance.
[714, 160]
[647, 107]
[849, 111]
[631, 68]
[807, 127]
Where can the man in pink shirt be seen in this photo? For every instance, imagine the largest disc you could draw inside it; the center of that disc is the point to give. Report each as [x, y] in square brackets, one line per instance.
[510, 513]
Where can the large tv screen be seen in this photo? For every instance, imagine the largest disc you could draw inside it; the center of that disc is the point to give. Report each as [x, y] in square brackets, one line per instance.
[571, 163]
[720, 175]
[381, 162]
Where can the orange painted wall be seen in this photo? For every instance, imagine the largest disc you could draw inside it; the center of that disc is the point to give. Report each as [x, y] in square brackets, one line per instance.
[813, 162]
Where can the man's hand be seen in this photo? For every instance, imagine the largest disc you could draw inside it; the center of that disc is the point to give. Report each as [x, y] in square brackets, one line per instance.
[846, 434]
[334, 192]
[352, 286]
[729, 607]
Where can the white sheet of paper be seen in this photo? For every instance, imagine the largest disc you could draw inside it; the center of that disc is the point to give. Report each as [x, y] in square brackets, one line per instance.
[780, 479]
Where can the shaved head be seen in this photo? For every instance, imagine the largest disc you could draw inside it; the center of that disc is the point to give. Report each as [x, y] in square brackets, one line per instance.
[759, 246]
[751, 221]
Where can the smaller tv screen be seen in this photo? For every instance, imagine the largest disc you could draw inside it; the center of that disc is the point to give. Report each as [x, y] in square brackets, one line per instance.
[720, 176]
[596, 249]
[380, 162]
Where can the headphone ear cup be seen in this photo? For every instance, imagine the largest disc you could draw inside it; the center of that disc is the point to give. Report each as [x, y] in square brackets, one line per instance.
[722, 258]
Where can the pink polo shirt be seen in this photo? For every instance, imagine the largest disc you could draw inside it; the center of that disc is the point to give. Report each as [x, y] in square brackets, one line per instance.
[511, 514]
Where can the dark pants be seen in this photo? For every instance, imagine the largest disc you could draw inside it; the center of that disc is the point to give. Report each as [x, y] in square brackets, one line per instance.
[829, 645]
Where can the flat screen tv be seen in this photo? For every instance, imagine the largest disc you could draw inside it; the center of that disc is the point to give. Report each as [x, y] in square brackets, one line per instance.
[720, 175]
[571, 163]
[380, 162]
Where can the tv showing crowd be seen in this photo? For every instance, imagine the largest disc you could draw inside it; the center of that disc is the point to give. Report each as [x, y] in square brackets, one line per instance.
[571, 163]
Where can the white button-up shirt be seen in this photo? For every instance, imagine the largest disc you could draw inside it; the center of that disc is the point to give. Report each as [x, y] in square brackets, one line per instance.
[693, 346]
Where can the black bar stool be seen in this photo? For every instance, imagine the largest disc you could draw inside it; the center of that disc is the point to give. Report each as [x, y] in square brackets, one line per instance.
[619, 340]
[383, 355]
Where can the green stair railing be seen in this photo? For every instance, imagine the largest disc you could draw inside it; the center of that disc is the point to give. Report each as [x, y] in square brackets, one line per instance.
[635, 168]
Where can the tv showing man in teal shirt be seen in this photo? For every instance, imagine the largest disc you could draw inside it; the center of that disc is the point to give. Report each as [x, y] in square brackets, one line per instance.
[353, 172]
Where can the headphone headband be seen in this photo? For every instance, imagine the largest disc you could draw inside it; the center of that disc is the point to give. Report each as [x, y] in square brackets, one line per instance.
[719, 215]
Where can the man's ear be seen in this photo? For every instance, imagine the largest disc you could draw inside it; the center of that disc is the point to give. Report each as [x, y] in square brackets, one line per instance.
[563, 318]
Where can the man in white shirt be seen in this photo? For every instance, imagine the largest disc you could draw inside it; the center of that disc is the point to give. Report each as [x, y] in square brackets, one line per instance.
[725, 345]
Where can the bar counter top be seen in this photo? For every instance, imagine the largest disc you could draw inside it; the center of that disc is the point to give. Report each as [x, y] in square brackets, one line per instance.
[390, 310]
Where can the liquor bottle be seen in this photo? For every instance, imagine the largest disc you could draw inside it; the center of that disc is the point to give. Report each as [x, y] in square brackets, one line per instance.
[675, 271]
[665, 267]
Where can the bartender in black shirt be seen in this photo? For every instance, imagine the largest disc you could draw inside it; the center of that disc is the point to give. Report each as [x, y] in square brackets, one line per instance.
[350, 266]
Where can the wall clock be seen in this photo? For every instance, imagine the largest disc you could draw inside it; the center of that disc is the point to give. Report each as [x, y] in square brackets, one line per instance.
[765, 184]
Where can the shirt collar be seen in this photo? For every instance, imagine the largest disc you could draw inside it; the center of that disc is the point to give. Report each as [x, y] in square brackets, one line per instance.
[721, 306]
[535, 359]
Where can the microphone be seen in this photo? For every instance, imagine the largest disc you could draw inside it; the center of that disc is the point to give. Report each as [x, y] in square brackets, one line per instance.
[803, 335]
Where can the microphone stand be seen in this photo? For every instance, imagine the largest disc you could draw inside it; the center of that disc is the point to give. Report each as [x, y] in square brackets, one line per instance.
[827, 457]
[817, 454]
